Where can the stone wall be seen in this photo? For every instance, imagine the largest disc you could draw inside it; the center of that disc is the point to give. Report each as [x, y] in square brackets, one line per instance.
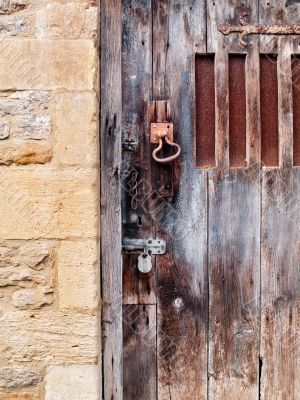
[49, 172]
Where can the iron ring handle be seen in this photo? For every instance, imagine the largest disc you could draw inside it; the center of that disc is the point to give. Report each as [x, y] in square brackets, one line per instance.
[167, 159]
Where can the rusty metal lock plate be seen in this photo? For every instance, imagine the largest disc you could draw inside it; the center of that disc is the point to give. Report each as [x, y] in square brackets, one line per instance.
[161, 129]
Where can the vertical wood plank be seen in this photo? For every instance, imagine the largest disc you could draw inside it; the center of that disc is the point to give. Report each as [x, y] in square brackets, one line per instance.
[234, 281]
[138, 288]
[296, 109]
[111, 119]
[179, 31]
[234, 224]
[139, 327]
[253, 106]
[285, 103]
[222, 109]
[280, 280]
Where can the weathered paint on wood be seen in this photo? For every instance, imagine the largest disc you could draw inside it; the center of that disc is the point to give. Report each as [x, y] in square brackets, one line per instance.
[139, 327]
[179, 29]
[280, 285]
[111, 238]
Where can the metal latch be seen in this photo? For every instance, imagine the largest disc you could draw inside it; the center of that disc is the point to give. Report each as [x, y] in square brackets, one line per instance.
[145, 248]
[158, 132]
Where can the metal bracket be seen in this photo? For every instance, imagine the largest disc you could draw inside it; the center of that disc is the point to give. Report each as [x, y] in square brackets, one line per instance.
[136, 246]
[246, 29]
[160, 130]
[145, 248]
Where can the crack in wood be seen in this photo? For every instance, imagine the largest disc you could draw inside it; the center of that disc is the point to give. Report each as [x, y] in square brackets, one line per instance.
[258, 29]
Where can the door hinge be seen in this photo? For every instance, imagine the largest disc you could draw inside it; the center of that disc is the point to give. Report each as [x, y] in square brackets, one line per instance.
[245, 29]
[145, 248]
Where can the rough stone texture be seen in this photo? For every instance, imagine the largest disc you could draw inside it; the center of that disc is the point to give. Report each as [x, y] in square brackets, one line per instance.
[78, 275]
[16, 396]
[77, 382]
[14, 26]
[25, 115]
[49, 174]
[27, 275]
[49, 20]
[34, 126]
[4, 130]
[31, 298]
[71, 21]
[48, 204]
[25, 153]
[12, 6]
[17, 377]
[49, 338]
[52, 64]
[75, 119]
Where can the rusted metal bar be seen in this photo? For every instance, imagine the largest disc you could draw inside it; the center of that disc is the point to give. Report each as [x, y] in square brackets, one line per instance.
[246, 29]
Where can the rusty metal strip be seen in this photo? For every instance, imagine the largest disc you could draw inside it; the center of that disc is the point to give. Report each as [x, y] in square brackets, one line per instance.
[246, 29]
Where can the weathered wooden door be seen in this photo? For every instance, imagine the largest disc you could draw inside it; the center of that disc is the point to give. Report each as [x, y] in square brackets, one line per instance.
[218, 316]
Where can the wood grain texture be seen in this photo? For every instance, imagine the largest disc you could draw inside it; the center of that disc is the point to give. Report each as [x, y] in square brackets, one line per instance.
[219, 13]
[139, 327]
[285, 103]
[234, 279]
[296, 109]
[222, 108]
[179, 29]
[280, 285]
[278, 12]
[253, 107]
[138, 288]
[111, 239]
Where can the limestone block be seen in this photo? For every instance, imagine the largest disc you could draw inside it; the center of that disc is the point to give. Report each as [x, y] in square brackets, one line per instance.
[71, 21]
[27, 275]
[49, 20]
[48, 204]
[75, 124]
[12, 377]
[49, 338]
[31, 298]
[4, 130]
[29, 64]
[34, 126]
[36, 256]
[25, 115]
[25, 153]
[14, 26]
[16, 396]
[76, 382]
[78, 274]
[12, 6]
